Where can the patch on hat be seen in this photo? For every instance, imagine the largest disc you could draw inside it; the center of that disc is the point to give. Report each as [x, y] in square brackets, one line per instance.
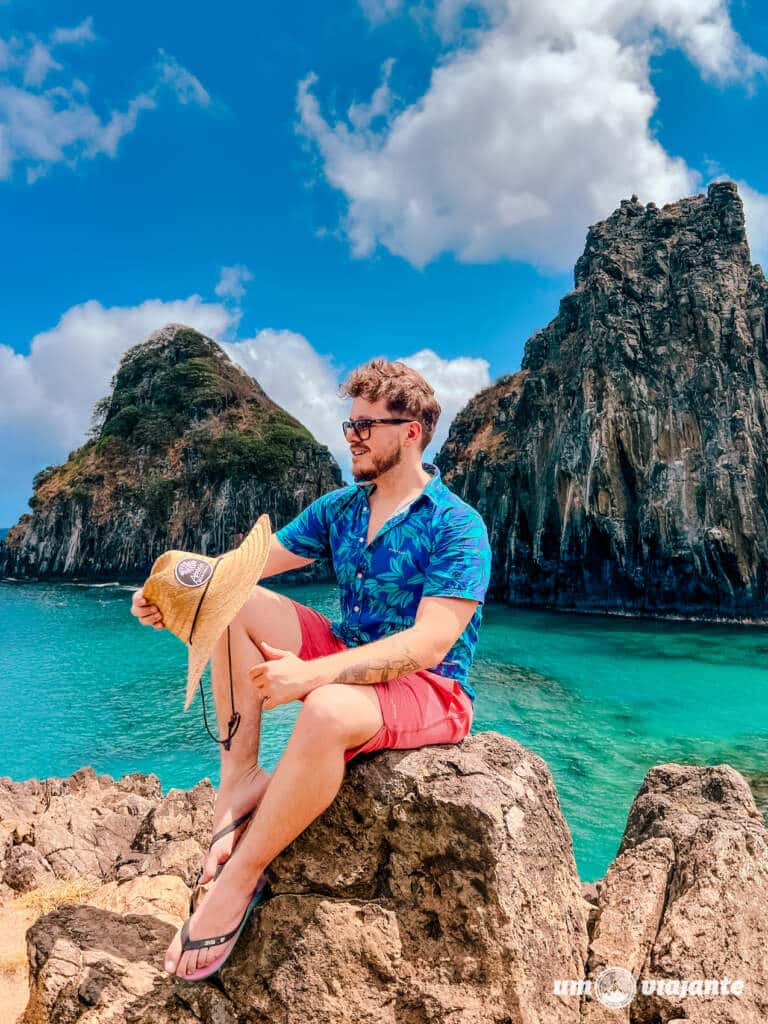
[193, 572]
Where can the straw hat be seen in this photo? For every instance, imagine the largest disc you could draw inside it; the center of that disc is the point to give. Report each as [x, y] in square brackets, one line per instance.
[199, 596]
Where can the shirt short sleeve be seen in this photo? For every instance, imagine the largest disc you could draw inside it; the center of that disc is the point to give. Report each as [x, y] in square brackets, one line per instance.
[308, 535]
[460, 565]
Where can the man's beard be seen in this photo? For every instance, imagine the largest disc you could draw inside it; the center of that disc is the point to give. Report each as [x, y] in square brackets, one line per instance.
[381, 463]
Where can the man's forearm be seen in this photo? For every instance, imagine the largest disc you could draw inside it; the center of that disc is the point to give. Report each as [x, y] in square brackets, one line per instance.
[388, 658]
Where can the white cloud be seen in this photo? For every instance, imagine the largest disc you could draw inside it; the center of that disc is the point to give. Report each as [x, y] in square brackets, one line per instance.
[38, 63]
[379, 10]
[82, 33]
[455, 381]
[309, 389]
[106, 137]
[185, 86]
[756, 216]
[50, 393]
[533, 126]
[42, 124]
[232, 281]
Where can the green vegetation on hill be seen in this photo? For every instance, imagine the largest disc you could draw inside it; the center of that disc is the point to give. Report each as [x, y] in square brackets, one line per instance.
[155, 409]
[160, 390]
[238, 454]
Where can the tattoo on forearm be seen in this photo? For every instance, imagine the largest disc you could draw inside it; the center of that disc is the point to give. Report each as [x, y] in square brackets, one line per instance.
[377, 670]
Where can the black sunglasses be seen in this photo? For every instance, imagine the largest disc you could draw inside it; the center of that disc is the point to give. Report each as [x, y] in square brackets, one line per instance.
[363, 427]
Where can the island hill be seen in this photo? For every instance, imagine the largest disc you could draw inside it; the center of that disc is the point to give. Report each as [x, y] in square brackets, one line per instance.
[623, 468]
[186, 452]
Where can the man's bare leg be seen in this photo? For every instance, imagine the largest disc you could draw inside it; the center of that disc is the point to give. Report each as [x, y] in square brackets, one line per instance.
[332, 719]
[265, 616]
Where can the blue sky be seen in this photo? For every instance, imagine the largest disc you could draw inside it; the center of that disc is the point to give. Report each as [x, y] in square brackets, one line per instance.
[407, 180]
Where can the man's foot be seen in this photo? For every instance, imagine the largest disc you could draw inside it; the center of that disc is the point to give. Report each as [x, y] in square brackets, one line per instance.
[232, 801]
[220, 910]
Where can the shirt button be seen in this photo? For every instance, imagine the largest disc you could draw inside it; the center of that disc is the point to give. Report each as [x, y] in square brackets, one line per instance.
[361, 539]
[359, 575]
[356, 608]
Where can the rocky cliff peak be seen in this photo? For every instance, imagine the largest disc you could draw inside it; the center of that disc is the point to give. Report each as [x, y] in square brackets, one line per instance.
[176, 378]
[186, 451]
[625, 465]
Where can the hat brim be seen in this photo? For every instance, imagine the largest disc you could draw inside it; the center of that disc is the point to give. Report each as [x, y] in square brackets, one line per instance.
[236, 575]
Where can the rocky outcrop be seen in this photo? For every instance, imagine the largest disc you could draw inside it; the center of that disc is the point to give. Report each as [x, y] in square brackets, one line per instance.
[624, 467]
[439, 886]
[686, 900]
[90, 827]
[187, 452]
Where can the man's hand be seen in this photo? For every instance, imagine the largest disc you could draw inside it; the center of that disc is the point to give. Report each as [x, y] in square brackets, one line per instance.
[147, 614]
[283, 677]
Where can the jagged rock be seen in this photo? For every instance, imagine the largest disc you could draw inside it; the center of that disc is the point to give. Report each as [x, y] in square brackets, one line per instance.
[165, 896]
[439, 886]
[624, 466]
[626, 919]
[95, 965]
[187, 452]
[25, 868]
[173, 836]
[759, 785]
[687, 898]
[467, 848]
[64, 829]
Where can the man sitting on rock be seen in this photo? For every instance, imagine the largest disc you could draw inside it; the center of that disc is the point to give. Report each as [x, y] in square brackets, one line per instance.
[413, 565]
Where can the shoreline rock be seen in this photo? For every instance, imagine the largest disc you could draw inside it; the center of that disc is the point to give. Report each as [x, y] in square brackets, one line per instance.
[439, 886]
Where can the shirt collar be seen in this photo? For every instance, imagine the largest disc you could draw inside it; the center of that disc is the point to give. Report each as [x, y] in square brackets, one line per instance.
[433, 485]
[430, 488]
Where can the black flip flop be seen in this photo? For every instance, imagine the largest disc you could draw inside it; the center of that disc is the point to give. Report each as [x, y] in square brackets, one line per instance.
[214, 839]
[260, 893]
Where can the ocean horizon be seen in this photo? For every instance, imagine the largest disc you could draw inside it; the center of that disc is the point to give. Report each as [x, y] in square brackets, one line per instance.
[600, 698]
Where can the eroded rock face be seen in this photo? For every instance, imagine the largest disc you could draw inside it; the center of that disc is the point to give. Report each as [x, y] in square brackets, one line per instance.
[469, 863]
[91, 827]
[439, 886]
[625, 465]
[687, 898]
[188, 451]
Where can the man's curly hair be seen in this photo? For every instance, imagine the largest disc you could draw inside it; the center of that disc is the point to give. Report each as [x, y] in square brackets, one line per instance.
[404, 390]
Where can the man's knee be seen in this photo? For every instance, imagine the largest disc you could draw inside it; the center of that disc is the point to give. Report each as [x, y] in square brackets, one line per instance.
[257, 600]
[327, 709]
[270, 616]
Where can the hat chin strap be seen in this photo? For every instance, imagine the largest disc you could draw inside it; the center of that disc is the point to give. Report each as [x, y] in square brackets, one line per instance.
[234, 721]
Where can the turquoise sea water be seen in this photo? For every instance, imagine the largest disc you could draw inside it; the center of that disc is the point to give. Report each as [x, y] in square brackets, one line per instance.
[601, 699]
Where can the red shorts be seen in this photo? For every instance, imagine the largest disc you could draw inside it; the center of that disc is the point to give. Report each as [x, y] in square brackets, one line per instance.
[418, 709]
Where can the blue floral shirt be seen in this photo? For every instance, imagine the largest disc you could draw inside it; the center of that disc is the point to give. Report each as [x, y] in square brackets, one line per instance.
[436, 547]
